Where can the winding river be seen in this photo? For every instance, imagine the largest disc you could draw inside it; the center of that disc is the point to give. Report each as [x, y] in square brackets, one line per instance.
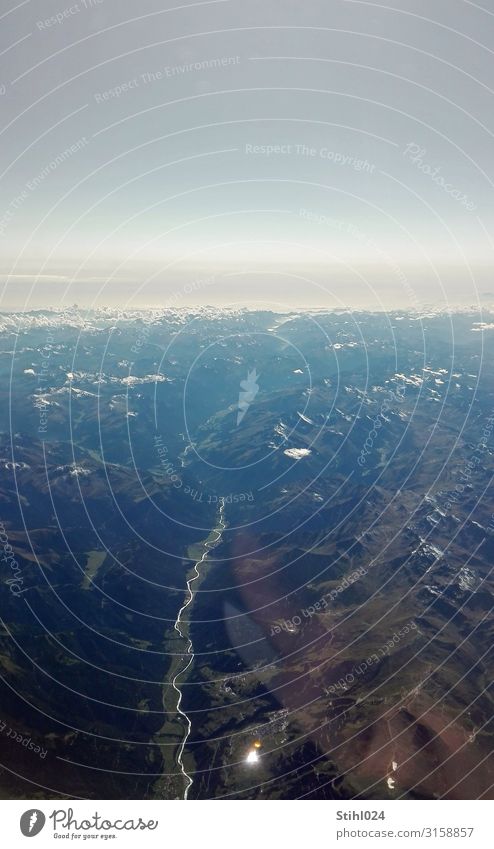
[212, 541]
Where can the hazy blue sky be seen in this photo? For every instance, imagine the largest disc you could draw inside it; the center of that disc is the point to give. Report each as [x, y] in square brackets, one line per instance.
[135, 138]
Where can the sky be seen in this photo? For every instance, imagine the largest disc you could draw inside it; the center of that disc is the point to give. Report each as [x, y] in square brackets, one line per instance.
[319, 154]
